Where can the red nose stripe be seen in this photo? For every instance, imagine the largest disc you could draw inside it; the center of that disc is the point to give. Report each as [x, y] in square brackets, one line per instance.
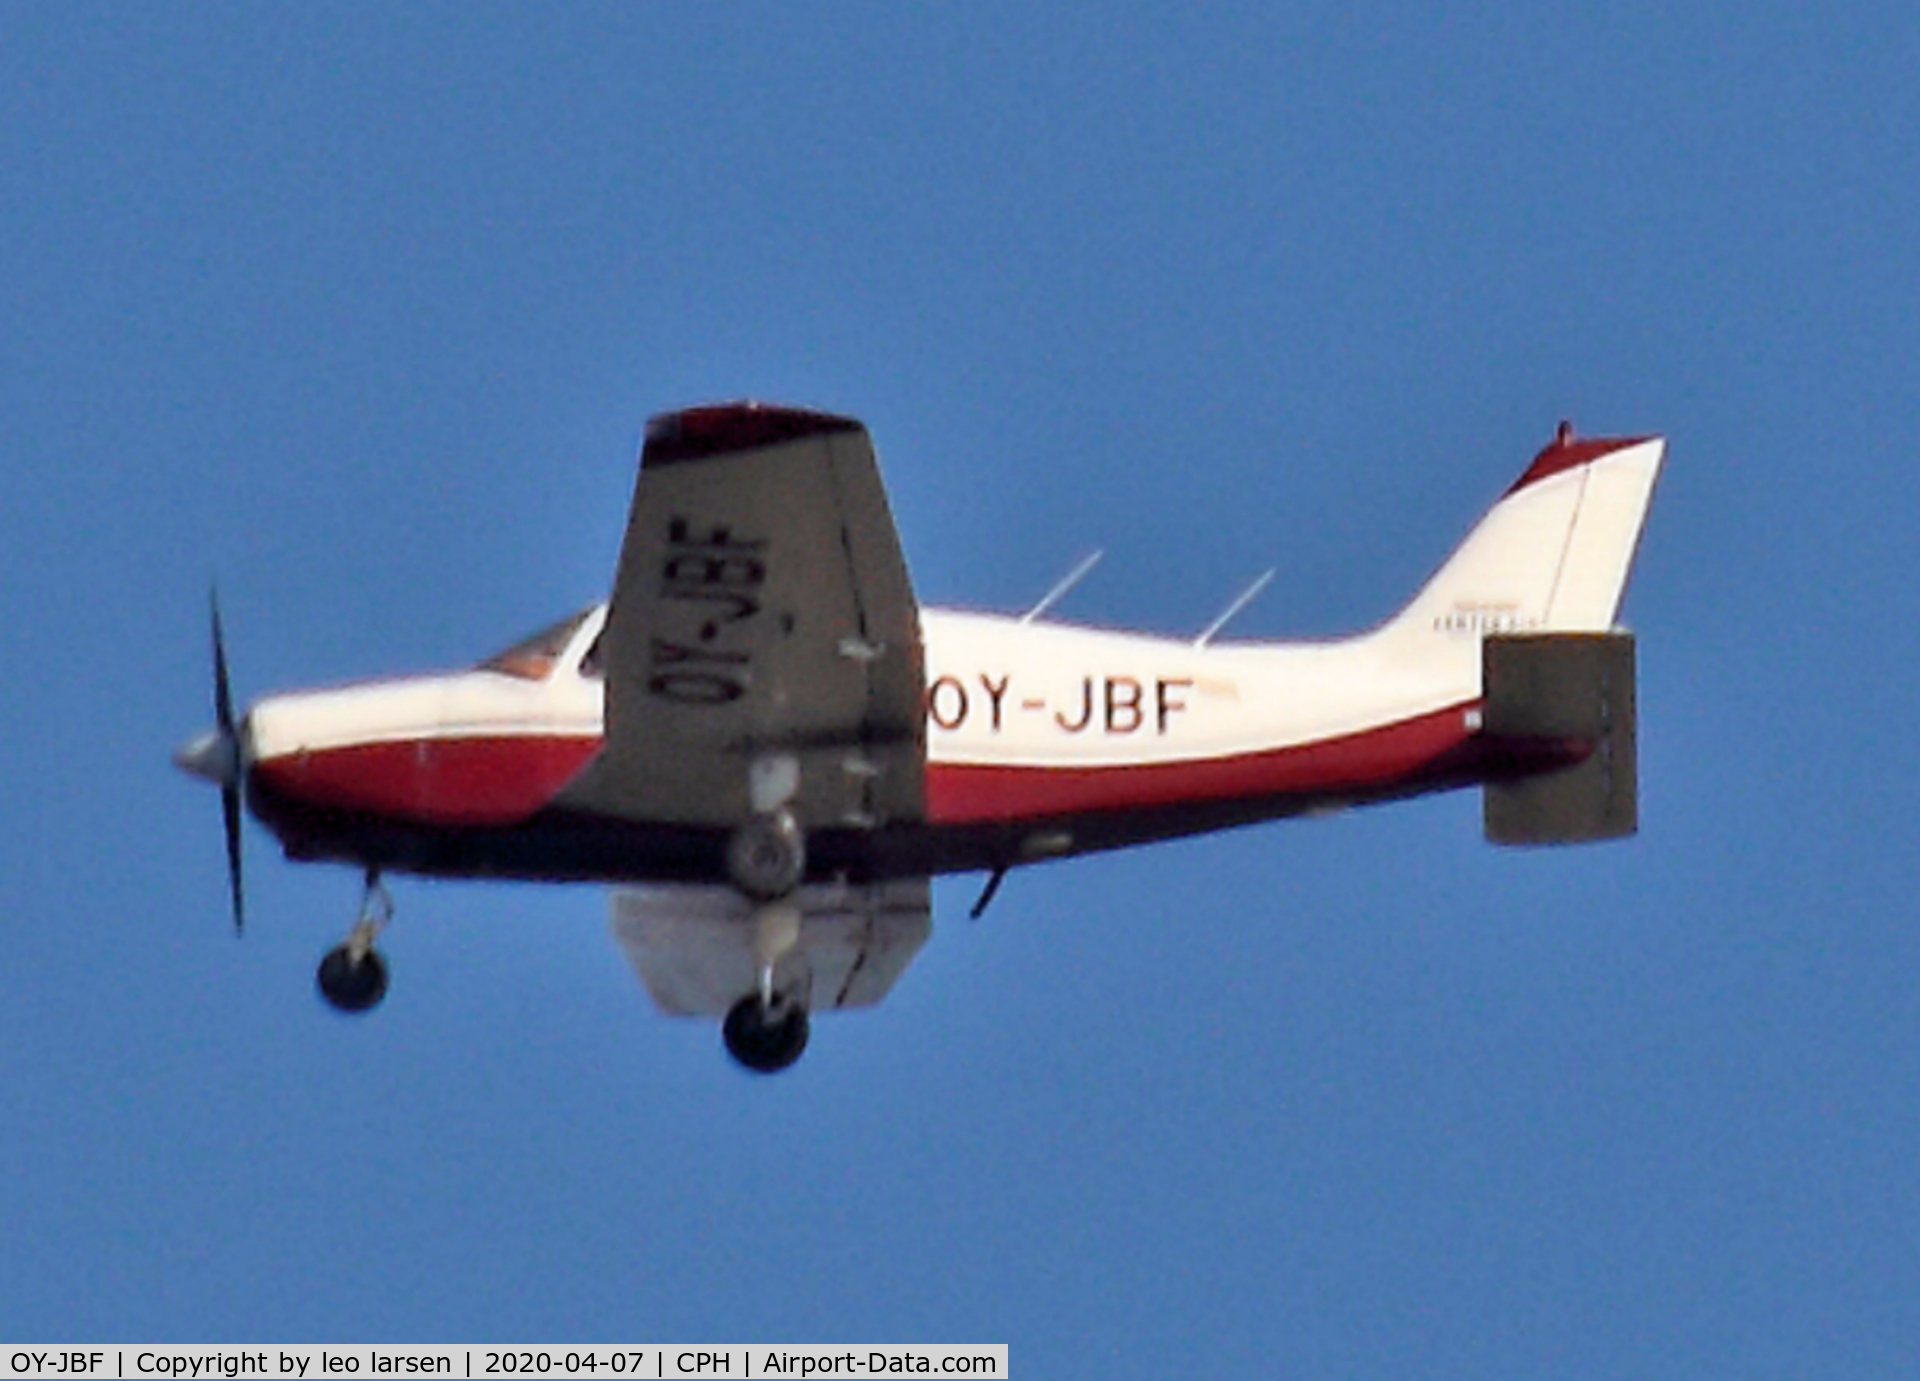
[451, 781]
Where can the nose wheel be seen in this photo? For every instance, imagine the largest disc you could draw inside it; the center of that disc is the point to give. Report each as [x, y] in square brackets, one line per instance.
[352, 977]
[767, 855]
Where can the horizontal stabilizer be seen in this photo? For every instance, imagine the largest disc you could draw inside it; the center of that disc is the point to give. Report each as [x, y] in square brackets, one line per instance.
[1560, 698]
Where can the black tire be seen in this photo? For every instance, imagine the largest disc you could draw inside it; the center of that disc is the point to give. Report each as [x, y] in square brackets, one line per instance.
[765, 1040]
[351, 987]
[767, 856]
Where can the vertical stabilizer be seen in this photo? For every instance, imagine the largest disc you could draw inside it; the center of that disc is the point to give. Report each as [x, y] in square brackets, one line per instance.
[1553, 555]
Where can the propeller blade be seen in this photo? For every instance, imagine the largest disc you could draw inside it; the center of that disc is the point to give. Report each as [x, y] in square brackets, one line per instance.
[222, 697]
[229, 789]
[230, 809]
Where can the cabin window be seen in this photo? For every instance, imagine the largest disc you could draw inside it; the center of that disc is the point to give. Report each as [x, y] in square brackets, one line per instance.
[590, 659]
[534, 658]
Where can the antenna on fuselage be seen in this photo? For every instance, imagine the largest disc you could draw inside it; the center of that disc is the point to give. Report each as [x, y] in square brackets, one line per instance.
[1067, 582]
[1240, 601]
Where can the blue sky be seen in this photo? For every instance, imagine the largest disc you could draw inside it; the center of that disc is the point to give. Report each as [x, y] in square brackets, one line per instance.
[361, 313]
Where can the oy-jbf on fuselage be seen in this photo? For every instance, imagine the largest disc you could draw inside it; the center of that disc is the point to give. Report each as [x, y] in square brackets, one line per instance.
[769, 747]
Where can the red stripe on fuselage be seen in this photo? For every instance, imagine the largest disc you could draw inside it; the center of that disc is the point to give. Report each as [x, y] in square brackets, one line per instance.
[504, 780]
[436, 781]
[967, 794]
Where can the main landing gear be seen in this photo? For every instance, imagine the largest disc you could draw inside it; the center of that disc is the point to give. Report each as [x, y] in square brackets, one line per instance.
[353, 977]
[767, 1029]
[764, 1036]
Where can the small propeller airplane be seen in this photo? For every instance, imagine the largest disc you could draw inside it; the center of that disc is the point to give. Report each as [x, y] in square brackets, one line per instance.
[769, 748]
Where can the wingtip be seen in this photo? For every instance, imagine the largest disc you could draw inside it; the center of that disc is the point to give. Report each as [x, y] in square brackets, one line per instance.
[713, 429]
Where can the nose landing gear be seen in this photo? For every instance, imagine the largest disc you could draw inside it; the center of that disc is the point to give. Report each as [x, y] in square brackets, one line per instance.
[767, 855]
[353, 975]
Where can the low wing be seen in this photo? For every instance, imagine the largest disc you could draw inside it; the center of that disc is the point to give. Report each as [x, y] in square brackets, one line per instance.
[693, 946]
[761, 621]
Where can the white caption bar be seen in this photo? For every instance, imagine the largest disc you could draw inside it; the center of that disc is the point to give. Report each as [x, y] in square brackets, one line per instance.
[309, 1362]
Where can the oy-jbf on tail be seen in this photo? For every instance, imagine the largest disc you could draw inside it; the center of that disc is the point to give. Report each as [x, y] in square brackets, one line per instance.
[766, 741]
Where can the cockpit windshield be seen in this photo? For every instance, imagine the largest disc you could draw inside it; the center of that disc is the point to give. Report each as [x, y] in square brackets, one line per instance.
[533, 659]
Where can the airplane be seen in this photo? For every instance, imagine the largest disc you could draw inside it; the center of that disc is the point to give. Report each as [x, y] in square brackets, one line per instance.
[768, 747]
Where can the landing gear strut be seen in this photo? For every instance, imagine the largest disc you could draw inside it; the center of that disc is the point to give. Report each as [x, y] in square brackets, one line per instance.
[353, 977]
[766, 860]
[767, 1029]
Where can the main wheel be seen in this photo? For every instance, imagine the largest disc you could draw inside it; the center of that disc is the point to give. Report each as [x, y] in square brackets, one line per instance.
[767, 856]
[351, 985]
[765, 1040]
